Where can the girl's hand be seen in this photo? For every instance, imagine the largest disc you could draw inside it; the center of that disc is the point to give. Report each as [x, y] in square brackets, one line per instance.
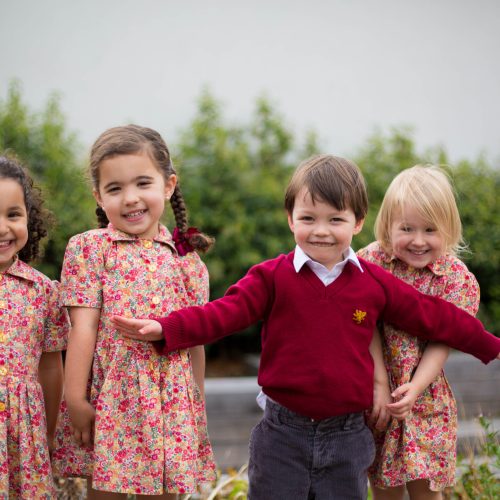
[379, 415]
[82, 416]
[402, 408]
[138, 329]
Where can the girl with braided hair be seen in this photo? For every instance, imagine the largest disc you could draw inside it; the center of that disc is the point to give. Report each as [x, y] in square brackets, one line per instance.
[133, 422]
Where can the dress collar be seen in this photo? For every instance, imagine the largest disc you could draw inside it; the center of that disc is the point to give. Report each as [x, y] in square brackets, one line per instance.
[163, 236]
[22, 270]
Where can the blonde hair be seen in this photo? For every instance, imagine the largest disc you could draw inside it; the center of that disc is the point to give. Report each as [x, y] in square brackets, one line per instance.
[428, 189]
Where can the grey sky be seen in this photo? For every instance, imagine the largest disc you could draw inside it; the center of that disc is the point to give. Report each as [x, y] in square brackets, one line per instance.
[341, 67]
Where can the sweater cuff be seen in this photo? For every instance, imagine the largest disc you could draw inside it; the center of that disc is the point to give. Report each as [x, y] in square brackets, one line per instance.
[172, 333]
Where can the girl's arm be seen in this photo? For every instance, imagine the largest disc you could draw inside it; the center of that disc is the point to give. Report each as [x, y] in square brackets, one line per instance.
[379, 415]
[50, 375]
[81, 345]
[429, 367]
[198, 364]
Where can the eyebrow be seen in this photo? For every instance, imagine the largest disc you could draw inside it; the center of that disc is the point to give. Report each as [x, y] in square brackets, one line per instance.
[135, 179]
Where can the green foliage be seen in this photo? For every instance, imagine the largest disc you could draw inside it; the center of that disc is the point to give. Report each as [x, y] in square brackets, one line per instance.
[41, 142]
[481, 477]
[233, 178]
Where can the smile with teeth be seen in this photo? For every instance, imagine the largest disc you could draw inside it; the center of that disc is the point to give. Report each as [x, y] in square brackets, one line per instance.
[5, 244]
[418, 252]
[321, 243]
[135, 215]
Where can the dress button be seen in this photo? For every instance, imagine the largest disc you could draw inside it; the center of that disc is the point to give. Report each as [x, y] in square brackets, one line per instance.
[3, 337]
[148, 243]
[3, 371]
[152, 268]
[155, 300]
[3, 304]
[2, 406]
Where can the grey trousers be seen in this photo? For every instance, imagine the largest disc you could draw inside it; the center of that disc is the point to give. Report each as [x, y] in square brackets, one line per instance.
[293, 457]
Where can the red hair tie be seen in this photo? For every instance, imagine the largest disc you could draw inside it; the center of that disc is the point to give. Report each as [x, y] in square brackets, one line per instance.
[181, 240]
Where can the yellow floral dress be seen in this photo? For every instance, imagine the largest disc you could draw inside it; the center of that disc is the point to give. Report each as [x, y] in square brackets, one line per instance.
[423, 446]
[150, 428]
[32, 321]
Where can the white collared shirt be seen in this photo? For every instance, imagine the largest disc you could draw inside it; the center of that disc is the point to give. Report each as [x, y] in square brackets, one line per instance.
[300, 258]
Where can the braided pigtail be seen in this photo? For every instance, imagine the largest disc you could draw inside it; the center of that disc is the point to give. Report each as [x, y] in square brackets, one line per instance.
[102, 218]
[186, 238]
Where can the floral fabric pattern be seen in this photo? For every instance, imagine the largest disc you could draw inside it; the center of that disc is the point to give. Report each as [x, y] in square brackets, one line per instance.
[150, 429]
[32, 321]
[423, 446]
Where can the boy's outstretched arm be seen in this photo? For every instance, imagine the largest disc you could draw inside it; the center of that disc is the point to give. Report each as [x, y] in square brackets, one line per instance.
[138, 329]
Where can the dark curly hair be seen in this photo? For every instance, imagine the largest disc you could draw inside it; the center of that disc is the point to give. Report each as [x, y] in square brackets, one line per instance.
[133, 139]
[38, 217]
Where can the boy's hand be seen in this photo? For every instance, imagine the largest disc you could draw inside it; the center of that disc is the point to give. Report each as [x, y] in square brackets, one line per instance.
[82, 416]
[379, 415]
[138, 329]
[402, 408]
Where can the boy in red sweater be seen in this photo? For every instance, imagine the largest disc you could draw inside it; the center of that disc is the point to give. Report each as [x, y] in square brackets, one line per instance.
[319, 306]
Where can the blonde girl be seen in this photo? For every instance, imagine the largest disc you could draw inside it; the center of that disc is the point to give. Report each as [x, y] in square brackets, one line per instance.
[33, 331]
[136, 419]
[419, 235]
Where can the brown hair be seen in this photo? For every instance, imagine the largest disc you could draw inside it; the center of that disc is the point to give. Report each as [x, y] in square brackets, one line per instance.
[133, 139]
[332, 180]
[428, 189]
[38, 217]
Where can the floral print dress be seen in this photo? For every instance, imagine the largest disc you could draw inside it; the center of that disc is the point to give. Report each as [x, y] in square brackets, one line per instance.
[31, 322]
[423, 446]
[150, 428]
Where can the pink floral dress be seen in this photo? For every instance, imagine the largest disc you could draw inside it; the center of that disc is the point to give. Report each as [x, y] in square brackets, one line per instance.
[31, 322]
[423, 446]
[150, 429]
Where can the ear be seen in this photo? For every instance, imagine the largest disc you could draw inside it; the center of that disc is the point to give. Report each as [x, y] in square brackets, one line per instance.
[170, 184]
[97, 197]
[358, 226]
[290, 221]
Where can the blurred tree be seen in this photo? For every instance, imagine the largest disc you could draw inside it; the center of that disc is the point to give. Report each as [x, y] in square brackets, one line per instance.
[41, 142]
[234, 178]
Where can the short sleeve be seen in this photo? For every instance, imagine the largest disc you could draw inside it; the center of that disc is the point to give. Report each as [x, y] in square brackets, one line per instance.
[56, 325]
[196, 279]
[81, 284]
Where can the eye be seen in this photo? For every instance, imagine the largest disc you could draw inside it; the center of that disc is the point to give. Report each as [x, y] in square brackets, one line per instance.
[144, 183]
[15, 214]
[306, 218]
[405, 229]
[337, 219]
[113, 189]
[431, 230]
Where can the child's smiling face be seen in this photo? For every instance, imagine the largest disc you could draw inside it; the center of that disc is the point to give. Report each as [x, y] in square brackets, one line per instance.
[132, 192]
[322, 231]
[13, 222]
[415, 240]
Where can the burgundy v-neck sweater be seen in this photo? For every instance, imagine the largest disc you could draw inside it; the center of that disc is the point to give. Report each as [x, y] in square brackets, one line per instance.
[315, 338]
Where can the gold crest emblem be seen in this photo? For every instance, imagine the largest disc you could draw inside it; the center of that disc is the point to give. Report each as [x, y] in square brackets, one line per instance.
[358, 316]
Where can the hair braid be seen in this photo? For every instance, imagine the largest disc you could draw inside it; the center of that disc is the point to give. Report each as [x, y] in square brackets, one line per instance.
[199, 241]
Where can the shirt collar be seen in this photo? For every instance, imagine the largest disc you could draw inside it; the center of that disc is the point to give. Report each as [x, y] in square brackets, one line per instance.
[22, 270]
[300, 258]
[163, 236]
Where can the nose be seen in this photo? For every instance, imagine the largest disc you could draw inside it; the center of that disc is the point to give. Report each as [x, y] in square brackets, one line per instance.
[418, 238]
[130, 196]
[321, 229]
[3, 226]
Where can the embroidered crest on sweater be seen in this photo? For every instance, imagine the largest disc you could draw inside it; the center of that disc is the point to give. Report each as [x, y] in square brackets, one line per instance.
[358, 316]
